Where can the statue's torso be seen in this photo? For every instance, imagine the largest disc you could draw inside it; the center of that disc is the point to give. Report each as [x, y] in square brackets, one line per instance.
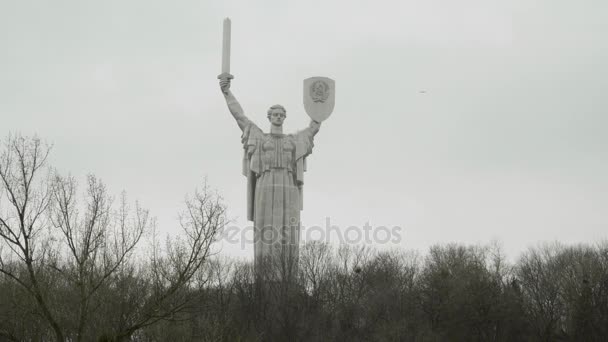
[278, 152]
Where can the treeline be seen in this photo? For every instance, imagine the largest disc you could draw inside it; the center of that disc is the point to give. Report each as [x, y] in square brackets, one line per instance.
[453, 293]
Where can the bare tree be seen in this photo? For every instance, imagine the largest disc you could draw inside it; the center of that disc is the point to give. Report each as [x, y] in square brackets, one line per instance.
[172, 282]
[23, 226]
[315, 265]
[79, 257]
[539, 273]
[99, 240]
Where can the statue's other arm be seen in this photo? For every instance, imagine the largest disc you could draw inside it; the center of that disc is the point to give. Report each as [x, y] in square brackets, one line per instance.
[314, 127]
[233, 105]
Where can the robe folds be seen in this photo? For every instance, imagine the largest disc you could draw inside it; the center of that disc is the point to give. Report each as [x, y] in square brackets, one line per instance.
[274, 165]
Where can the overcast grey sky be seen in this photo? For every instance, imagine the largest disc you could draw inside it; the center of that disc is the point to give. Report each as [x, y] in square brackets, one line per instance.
[461, 121]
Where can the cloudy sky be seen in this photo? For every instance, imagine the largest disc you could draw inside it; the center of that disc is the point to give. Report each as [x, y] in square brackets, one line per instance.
[459, 121]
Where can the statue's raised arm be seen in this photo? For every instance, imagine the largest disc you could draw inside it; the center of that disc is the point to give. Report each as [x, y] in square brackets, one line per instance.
[233, 105]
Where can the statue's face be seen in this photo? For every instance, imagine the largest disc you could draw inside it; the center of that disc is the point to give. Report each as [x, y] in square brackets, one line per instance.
[277, 116]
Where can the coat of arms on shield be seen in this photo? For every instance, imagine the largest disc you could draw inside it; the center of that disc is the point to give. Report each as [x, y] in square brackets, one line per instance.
[319, 97]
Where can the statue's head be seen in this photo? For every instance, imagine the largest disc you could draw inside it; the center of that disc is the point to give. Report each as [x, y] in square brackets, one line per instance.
[277, 114]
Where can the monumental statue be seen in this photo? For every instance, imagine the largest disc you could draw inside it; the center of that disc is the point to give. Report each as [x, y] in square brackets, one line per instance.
[274, 164]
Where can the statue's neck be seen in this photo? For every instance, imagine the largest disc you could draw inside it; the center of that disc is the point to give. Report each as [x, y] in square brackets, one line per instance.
[276, 129]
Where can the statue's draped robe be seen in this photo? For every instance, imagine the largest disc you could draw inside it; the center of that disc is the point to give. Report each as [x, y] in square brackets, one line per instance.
[274, 165]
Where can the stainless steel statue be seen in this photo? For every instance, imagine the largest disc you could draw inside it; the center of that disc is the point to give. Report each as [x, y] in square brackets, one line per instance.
[274, 164]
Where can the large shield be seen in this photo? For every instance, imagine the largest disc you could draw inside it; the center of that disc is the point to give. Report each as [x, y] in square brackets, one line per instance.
[319, 97]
